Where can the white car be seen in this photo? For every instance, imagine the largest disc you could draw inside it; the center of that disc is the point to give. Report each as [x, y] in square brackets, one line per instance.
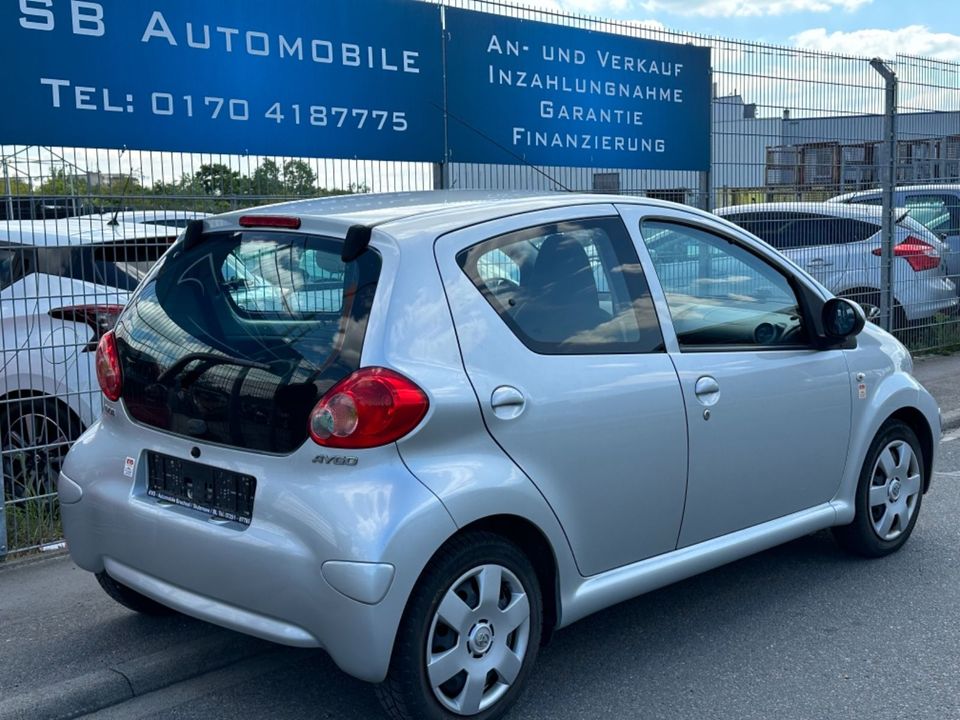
[62, 285]
[171, 218]
[840, 245]
[937, 206]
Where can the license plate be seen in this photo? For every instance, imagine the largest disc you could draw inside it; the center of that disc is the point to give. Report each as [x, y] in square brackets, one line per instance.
[211, 490]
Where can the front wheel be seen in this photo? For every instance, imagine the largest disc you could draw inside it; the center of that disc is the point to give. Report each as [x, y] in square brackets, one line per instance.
[889, 493]
[469, 635]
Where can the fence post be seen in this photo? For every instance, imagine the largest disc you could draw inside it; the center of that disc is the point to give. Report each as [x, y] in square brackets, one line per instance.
[3, 520]
[888, 182]
[439, 176]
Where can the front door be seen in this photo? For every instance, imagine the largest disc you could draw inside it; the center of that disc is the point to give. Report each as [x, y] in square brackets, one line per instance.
[768, 416]
[563, 348]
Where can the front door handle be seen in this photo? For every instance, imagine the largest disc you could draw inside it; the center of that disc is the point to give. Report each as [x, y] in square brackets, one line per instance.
[507, 402]
[707, 390]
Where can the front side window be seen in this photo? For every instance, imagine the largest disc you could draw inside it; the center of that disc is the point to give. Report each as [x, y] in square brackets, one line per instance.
[719, 294]
[568, 288]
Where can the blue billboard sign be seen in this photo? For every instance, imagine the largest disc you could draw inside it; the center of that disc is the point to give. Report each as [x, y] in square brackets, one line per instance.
[520, 91]
[336, 78]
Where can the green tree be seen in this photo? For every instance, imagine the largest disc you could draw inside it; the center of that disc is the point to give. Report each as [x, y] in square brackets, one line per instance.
[299, 178]
[217, 179]
[266, 179]
[58, 182]
[17, 186]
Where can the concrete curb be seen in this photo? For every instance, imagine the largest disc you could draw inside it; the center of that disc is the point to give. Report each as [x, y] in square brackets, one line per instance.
[127, 680]
[950, 420]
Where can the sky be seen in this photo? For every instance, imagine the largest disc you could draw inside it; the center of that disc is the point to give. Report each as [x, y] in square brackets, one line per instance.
[858, 27]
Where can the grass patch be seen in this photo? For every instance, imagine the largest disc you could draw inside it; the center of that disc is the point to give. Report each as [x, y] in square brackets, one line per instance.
[941, 336]
[32, 522]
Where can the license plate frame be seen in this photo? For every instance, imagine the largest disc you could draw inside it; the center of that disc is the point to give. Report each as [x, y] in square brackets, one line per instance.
[218, 493]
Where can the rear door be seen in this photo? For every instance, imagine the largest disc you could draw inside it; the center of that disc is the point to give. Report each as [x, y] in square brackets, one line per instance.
[18, 303]
[561, 343]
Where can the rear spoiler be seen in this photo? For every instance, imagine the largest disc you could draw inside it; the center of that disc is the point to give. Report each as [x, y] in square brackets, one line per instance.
[354, 245]
[356, 242]
[191, 235]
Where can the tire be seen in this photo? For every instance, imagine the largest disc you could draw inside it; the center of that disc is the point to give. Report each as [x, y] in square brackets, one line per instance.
[868, 299]
[889, 494]
[35, 435]
[455, 579]
[131, 599]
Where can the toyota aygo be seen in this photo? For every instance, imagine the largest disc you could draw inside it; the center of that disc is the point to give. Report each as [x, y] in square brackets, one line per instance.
[425, 431]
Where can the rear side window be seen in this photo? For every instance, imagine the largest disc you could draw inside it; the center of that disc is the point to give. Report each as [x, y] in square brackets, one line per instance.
[120, 265]
[234, 340]
[795, 231]
[568, 288]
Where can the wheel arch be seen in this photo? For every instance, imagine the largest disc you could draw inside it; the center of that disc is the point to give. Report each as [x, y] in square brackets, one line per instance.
[533, 542]
[916, 421]
[16, 395]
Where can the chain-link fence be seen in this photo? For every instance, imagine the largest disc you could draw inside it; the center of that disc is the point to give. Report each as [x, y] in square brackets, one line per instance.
[804, 144]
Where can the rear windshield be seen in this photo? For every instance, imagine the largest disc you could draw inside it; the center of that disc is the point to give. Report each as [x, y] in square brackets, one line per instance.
[234, 340]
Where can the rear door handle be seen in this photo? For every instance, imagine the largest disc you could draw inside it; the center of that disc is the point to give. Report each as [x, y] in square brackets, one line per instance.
[819, 263]
[507, 402]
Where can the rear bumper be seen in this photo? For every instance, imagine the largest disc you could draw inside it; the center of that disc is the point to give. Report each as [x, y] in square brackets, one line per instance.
[374, 525]
[922, 299]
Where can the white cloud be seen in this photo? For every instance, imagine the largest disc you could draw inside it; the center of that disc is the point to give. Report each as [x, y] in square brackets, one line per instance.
[914, 39]
[729, 8]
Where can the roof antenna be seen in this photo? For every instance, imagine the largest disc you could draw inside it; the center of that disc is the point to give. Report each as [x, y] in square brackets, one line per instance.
[507, 150]
[123, 195]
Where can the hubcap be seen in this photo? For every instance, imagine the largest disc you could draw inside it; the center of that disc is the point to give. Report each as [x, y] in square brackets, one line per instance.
[895, 490]
[896, 486]
[478, 639]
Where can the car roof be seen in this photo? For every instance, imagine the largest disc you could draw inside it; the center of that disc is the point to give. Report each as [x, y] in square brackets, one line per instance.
[137, 215]
[439, 211]
[80, 230]
[953, 187]
[854, 211]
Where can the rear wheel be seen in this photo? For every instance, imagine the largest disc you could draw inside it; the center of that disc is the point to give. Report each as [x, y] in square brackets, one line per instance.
[869, 300]
[131, 599]
[469, 636]
[35, 435]
[889, 493]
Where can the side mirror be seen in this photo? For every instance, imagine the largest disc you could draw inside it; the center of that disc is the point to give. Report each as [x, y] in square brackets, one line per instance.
[842, 318]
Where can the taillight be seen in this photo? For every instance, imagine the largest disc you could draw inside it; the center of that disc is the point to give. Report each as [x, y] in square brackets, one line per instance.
[373, 406]
[108, 367]
[100, 318]
[921, 255]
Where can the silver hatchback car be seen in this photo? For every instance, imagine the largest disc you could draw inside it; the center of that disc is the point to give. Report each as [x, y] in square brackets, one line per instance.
[424, 431]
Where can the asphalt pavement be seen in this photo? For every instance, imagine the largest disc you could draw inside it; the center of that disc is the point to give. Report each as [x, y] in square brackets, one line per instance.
[802, 631]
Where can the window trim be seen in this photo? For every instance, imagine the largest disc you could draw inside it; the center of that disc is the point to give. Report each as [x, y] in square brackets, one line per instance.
[803, 295]
[498, 241]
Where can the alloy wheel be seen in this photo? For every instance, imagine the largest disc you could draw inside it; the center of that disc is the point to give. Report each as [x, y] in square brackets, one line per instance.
[33, 448]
